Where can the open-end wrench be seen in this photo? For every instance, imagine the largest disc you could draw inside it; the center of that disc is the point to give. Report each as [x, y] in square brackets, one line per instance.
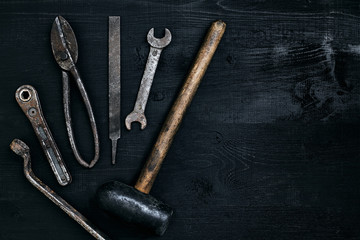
[156, 47]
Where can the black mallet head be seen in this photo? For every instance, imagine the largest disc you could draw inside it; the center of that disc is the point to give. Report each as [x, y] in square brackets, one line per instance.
[133, 206]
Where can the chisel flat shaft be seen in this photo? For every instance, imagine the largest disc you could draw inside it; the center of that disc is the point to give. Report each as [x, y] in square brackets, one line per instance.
[114, 83]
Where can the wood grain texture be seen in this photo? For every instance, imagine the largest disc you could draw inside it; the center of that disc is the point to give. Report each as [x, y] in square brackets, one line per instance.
[269, 148]
[183, 100]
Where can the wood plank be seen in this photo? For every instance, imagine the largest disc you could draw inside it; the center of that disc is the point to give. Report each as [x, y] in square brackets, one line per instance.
[269, 148]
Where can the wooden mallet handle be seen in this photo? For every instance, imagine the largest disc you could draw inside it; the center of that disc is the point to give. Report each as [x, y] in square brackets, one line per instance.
[176, 114]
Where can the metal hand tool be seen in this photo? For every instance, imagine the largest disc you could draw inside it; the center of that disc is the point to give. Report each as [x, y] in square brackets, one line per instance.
[114, 83]
[28, 100]
[21, 149]
[156, 47]
[65, 50]
[134, 204]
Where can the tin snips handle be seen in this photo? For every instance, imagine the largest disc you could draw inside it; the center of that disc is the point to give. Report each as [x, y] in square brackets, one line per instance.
[28, 100]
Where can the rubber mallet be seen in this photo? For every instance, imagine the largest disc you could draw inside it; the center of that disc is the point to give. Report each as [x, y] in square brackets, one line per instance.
[133, 204]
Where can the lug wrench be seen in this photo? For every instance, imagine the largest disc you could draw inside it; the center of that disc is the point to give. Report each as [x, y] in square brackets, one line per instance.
[21, 149]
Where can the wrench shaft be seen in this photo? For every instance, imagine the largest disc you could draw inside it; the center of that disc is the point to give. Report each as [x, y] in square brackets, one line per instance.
[147, 79]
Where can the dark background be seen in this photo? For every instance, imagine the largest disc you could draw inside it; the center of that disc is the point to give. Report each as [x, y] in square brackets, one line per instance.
[269, 148]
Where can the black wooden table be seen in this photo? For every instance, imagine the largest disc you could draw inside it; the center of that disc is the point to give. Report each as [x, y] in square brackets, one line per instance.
[269, 148]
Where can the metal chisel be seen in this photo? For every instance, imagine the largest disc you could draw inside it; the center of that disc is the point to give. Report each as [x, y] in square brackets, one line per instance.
[114, 82]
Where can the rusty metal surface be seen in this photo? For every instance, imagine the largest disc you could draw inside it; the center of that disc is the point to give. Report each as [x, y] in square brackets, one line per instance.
[65, 51]
[114, 83]
[28, 100]
[156, 47]
[21, 149]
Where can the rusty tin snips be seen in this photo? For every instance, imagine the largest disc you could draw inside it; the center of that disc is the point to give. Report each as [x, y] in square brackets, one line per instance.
[65, 50]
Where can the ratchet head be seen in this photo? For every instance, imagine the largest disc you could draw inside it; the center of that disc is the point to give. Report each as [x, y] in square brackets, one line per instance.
[156, 42]
[135, 117]
[19, 147]
[63, 43]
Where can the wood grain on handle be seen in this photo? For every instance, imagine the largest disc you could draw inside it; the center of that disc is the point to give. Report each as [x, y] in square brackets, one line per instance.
[176, 114]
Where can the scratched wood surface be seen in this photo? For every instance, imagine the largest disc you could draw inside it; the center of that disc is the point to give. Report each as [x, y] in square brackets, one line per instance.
[269, 148]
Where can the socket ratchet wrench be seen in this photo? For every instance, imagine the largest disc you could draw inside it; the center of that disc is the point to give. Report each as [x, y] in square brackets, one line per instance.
[28, 100]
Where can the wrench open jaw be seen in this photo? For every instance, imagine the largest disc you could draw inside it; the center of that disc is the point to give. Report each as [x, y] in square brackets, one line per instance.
[159, 42]
[135, 116]
[156, 47]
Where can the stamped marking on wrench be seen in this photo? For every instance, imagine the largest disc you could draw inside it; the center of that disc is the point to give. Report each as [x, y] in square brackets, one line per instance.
[156, 47]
